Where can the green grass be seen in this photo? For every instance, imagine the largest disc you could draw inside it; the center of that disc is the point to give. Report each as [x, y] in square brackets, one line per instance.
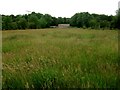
[69, 58]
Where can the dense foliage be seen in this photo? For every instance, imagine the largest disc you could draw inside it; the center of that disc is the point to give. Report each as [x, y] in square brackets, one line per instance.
[38, 20]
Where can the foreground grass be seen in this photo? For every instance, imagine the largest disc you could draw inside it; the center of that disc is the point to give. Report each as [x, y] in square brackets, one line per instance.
[60, 58]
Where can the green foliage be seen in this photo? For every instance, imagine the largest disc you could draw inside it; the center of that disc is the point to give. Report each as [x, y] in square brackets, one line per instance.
[7, 20]
[42, 23]
[118, 19]
[60, 20]
[54, 21]
[22, 23]
[14, 25]
[0, 22]
[33, 21]
[94, 21]
[48, 20]
[81, 20]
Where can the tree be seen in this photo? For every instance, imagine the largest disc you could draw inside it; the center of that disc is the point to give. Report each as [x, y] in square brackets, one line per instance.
[6, 24]
[42, 23]
[73, 20]
[32, 21]
[93, 23]
[22, 23]
[48, 20]
[38, 20]
[14, 26]
[39, 15]
[104, 24]
[65, 20]
[0, 22]
[80, 19]
[118, 19]
[60, 20]
[54, 21]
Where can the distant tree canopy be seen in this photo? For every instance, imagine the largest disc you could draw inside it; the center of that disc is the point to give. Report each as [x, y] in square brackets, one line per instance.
[80, 20]
[118, 19]
[94, 21]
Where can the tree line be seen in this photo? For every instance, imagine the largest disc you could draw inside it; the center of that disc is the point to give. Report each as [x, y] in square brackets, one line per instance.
[80, 20]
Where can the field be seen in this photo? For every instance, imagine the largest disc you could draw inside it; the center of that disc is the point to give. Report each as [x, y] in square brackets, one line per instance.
[72, 58]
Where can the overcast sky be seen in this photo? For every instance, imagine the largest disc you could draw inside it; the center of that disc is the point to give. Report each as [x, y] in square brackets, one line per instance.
[63, 8]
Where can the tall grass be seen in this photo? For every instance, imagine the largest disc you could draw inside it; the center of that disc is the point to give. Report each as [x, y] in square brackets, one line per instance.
[60, 58]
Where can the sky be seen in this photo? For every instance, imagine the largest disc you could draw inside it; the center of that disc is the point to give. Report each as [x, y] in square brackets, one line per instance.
[58, 8]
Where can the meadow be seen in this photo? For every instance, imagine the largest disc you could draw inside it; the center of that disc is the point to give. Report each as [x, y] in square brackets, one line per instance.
[60, 58]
